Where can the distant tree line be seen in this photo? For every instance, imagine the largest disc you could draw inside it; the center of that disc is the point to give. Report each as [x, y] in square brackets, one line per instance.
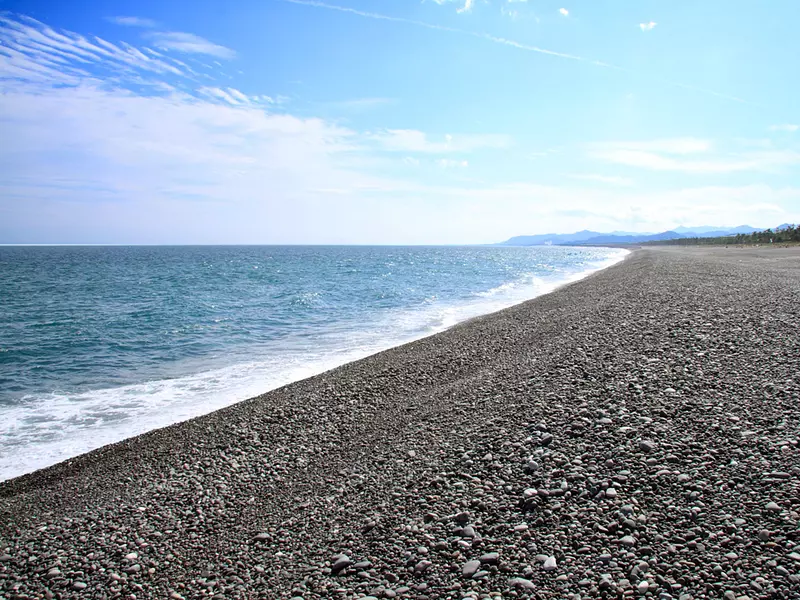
[782, 235]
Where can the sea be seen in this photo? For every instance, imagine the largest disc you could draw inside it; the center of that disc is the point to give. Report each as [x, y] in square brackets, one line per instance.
[101, 343]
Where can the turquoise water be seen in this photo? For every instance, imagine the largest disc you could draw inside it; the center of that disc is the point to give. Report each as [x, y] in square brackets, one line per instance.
[101, 343]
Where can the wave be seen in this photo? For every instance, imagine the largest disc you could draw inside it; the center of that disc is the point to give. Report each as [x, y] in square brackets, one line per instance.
[45, 429]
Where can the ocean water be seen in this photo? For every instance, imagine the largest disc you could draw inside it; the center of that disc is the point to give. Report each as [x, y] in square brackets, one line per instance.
[98, 344]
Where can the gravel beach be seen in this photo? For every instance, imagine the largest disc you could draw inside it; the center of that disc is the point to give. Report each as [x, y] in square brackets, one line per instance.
[632, 435]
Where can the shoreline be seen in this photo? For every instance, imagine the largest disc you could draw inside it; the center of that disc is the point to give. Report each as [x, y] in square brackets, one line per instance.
[50, 454]
[589, 422]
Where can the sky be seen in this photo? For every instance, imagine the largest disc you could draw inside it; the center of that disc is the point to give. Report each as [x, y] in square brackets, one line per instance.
[393, 121]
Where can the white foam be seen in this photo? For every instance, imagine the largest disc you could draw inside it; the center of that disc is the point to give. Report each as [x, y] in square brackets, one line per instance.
[44, 430]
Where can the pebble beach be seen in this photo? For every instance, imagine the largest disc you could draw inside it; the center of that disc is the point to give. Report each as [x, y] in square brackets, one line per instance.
[632, 435]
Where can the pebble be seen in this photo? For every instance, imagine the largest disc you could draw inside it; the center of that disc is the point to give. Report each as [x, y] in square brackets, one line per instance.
[646, 446]
[550, 564]
[340, 562]
[470, 568]
[521, 583]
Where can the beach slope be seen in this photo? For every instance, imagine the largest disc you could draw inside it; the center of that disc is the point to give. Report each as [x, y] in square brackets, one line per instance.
[635, 433]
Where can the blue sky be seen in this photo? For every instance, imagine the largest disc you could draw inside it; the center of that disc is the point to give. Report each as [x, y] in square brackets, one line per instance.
[393, 121]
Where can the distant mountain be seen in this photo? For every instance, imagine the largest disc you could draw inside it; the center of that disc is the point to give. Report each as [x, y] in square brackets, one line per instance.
[633, 238]
[712, 231]
[587, 237]
[558, 238]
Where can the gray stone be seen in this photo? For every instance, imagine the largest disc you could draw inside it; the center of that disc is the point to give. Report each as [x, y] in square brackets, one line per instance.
[470, 568]
[521, 583]
[340, 562]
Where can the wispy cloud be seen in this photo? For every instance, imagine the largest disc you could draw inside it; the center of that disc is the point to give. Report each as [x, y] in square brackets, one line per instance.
[564, 11]
[134, 21]
[787, 127]
[691, 156]
[607, 179]
[687, 145]
[467, 6]
[410, 140]
[448, 163]
[361, 104]
[647, 26]
[30, 47]
[189, 43]
[482, 36]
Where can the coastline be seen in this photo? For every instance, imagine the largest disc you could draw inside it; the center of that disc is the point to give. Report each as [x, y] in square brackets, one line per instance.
[45, 429]
[381, 458]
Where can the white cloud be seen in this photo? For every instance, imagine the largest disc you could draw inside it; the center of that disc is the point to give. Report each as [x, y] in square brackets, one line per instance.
[410, 140]
[189, 43]
[447, 163]
[608, 179]
[466, 8]
[134, 21]
[787, 127]
[670, 155]
[29, 47]
[686, 145]
[647, 26]
[564, 11]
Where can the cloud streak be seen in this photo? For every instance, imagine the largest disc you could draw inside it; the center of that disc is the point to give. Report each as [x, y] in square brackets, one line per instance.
[133, 22]
[189, 43]
[433, 26]
[690, 156]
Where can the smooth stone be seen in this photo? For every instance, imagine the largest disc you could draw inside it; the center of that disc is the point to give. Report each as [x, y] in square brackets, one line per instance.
[490, 558]
[628, 540]
[79, 585]
[521, 583]
[773, 507]
[550, 564]
[646, 446]
[642, 587]
[341, 562]
[470, 568]
[611, 493]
